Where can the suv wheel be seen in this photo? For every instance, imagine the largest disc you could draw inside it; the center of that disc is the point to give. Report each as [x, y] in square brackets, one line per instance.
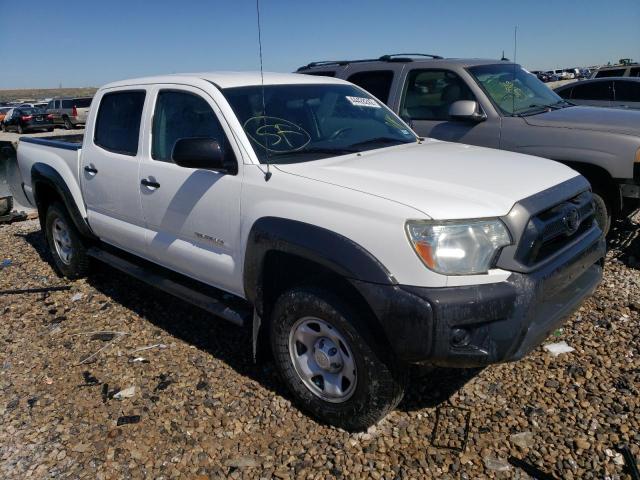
[67, 123]
[330, 361]
[65, 243]
[20, 129]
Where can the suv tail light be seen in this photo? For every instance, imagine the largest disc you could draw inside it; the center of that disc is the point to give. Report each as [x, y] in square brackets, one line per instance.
[74, 111]
[50, 117]
[26, 118]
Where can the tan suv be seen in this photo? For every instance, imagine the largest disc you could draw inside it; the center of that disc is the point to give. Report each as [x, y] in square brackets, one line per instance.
[69, 112]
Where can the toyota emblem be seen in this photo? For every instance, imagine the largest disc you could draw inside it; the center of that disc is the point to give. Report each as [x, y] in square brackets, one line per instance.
[571, 219]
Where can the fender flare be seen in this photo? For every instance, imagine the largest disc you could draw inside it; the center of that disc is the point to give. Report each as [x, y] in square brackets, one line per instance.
[43, 174]
[329, 249]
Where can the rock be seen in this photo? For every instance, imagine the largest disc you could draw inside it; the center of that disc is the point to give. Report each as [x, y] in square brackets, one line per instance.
[582, 443]
[522, 439]
[496, 464]
[242, 462]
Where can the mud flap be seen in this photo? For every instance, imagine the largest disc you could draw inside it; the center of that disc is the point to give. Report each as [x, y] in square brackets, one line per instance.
[257, 322]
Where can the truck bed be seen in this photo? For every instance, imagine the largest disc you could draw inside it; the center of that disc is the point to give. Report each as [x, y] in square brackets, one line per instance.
[67, 142]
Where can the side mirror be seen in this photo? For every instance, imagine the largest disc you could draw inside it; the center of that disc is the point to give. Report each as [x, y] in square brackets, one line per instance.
[467, 110]
[203, 153]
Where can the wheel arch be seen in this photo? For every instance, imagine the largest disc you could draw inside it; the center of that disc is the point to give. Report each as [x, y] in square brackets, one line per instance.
[282, 253]
[48, 187]
[599, 178]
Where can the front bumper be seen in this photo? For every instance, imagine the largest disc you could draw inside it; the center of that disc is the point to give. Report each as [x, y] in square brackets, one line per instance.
[478, 325]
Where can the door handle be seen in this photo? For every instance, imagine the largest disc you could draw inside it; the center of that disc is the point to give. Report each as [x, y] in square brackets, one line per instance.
[149, 183]
[90, 170]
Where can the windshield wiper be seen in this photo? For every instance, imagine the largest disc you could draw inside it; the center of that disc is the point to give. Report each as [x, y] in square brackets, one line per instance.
[383, 140]
[327, 150]
[532, 109]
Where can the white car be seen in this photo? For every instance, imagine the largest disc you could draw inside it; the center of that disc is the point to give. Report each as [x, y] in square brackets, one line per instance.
[307, 210]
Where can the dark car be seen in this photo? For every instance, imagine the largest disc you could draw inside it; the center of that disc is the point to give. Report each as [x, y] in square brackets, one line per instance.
[619, 92]
[542, 76]
[23, 120]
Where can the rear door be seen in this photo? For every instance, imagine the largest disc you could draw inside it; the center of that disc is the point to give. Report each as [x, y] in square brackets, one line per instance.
[598, 93]
[627, 94]
[110, 165]
[427, 95]
[192, 215]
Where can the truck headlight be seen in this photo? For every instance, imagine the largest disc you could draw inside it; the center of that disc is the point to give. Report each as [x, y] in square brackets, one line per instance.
[458, 247]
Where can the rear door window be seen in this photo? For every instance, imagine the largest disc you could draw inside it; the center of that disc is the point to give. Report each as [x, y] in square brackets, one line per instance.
[67, 103]
[428, 94]
[377, 82]
[593, 91]
[627, 91]
[182, 115]
[118, 122]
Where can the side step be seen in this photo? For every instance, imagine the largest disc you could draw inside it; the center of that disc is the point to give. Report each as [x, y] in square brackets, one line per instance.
[215, 301]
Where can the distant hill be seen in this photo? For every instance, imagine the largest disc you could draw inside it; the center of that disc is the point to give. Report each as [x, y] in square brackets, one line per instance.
[39, 93]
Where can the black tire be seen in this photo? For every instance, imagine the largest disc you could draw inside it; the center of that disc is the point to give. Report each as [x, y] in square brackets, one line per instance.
[4, 129]
[380, 382]
[49, 129]
[603, 210]
[20, 129]
[77, 265]
[67, 123]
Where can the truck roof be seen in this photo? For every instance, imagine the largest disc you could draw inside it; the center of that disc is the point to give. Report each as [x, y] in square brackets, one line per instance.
[229, 79]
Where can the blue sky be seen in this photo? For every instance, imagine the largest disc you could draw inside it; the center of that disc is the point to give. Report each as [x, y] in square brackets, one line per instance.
[88, 43]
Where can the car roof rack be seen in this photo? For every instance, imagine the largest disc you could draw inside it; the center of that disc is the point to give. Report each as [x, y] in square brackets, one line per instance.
[405, 57]
[394, 57]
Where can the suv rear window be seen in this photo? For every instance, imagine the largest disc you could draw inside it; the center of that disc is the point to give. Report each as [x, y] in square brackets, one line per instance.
[118, 122]
[377, 82]
[634, 72]
[616, 72]
[82, 102]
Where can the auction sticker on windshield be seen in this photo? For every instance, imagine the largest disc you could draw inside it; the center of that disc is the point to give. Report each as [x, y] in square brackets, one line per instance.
[363, 102]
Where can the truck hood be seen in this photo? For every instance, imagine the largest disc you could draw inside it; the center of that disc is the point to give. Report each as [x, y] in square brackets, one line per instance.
[442, 180]
[614, 120]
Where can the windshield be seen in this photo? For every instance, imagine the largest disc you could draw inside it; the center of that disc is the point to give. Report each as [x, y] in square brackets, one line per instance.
[525, 95]
[300, 123]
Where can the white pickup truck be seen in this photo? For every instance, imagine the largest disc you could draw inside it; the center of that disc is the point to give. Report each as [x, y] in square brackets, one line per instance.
[305, 209]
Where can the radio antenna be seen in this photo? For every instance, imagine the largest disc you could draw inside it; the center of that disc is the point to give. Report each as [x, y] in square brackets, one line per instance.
[267, 175]
[515, 60]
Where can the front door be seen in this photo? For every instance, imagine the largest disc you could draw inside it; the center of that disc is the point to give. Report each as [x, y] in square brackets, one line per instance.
[192, 215]
[109, 170]
[426, 97]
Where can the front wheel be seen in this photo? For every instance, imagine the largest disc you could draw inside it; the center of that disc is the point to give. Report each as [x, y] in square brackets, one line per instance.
[65, 243]
[603, 211]
[329, 360]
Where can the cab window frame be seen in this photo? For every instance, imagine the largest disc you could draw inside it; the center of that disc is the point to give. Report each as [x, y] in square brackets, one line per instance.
[230, 155]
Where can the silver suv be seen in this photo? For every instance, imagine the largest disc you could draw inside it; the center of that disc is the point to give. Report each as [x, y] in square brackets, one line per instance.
[499, 104]
[69, 112]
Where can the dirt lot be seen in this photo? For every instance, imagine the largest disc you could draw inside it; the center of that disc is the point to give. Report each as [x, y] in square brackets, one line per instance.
[202, 409]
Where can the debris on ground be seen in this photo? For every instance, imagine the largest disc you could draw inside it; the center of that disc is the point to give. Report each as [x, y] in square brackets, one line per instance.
[128, 419]
[76, 297]
[126, 393]
[558, 348]
[155, 345]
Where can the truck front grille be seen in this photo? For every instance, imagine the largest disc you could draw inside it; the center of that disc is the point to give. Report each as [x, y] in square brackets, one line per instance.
[551, 230]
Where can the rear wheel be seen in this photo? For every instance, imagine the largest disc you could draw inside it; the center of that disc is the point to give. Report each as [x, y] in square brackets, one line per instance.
[67, 123]
[330, 361]
[65, 243]
[20, 129]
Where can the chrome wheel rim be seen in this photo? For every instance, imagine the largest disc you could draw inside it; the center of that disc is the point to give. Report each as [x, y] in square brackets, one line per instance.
[62, 240]
[323, 360]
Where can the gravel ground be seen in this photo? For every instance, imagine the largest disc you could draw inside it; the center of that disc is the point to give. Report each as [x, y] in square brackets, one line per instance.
[202, 409]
